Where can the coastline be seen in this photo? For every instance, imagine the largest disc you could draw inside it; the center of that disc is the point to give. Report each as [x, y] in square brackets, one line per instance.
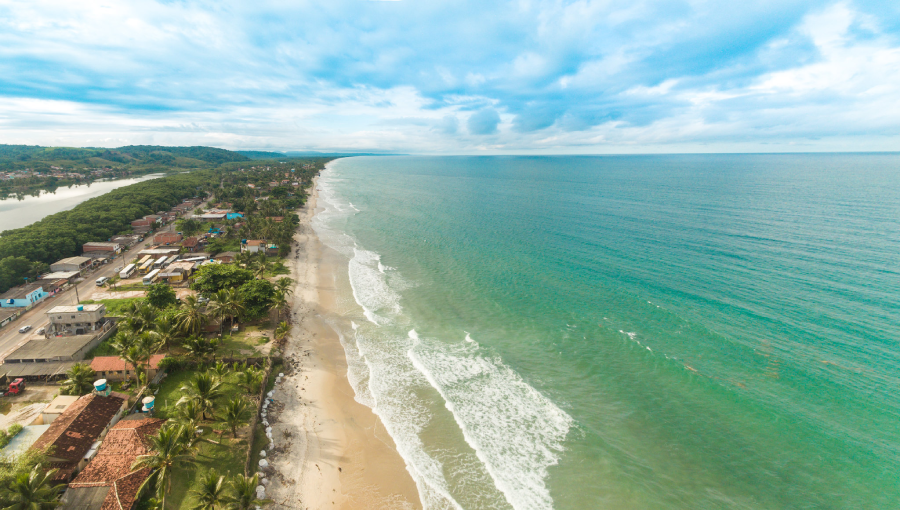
[331, 451]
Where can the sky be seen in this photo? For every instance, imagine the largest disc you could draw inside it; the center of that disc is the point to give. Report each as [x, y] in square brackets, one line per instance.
[453, 77]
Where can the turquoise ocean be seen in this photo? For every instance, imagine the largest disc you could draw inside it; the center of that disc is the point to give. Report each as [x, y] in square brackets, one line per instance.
[678, 331]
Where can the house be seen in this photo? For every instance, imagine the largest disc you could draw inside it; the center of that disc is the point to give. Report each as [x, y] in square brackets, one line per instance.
[104, 246]
[65, 276]
[77, 264]
[8, 315]
[24, 296]
[107, 483]
[167, 238]
[226, 257]
[56, 407]
[210, 217]
[271, 249]
[190, 244]
[127, 241]
[253, 246]
[142, 223]
[76, 319]
[71, 435]
[113, 368]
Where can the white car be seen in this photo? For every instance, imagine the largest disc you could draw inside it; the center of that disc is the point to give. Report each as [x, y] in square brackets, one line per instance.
[24, 329]
[102, 280]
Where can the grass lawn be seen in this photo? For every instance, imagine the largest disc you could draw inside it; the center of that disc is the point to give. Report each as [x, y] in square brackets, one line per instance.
[128, 286]
[233, 344]
[115, 307]
[226, 458]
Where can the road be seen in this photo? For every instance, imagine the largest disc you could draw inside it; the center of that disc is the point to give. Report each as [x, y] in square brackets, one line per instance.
[11, 339]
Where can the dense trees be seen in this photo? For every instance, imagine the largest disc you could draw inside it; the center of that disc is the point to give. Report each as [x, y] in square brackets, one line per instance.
[212, 278]
[160, 295]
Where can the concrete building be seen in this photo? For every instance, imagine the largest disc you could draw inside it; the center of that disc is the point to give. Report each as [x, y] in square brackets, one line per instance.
[77, 264]
[23, 297]
[56, 407]
[167, 238]
[68, 276]
[177, 271]
[76, 319]
[102, 246]
[253, 246]
[225, 257]
[72, 434]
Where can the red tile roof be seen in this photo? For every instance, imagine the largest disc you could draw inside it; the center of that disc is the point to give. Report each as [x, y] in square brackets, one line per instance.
[75, 430]
[117, 364]
[256, 243]
[111, 467]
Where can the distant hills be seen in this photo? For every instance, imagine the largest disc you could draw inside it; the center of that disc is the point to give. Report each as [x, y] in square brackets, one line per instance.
[307, 154]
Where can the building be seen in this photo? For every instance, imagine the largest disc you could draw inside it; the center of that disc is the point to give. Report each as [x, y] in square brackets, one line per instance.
[210, 217]
[113, 368]
[56, 407]
[23, 297]
[76, 319]
[107, 483]
[226, 257]
[177, 271]
[158, 252]
[72, 434]
[8, 315]
[127, 241]
[190, 244]
[102, 246]
[167, 238]
[67, 276]
[77, 264]
[253, 246]
[60, 348]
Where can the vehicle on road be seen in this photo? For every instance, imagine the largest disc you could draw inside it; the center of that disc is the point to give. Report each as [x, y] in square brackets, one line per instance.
[102, 280]
[41, 331]
[24, 329]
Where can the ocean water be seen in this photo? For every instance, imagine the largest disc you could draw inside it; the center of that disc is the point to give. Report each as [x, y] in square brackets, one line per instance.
[691, 331]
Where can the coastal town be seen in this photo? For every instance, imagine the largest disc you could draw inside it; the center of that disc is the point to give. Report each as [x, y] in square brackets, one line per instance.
[139, 372]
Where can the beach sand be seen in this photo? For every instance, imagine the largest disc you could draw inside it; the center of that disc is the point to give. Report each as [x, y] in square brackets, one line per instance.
[330, 451]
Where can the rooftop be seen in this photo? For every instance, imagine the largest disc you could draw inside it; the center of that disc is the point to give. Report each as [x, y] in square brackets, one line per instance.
[92, 307]
[21, 292]
[111, 467]
[116, 364]
[60, 275]
[50, 348]
[76, 429]
[74, 260]
[102, 243]
[50, 368]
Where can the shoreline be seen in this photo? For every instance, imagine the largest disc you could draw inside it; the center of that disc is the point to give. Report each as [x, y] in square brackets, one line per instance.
[330, 450]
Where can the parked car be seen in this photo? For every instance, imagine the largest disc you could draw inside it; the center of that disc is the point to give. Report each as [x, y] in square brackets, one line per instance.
[202, 299]
[24, 329]
[41, 331]
[102, 280]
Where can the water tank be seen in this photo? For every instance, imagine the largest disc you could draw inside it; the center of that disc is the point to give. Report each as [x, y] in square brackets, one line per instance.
[100, 385]
[148, 402]
[80, 308]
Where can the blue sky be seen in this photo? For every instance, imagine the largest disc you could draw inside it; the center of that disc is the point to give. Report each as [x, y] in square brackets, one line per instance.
[454, 77]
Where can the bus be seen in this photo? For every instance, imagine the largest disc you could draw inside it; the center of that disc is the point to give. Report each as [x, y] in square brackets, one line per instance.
[127, 272]
[143, 260]
[160, 262]
[171, 259]
[150, 278]
[146, 267]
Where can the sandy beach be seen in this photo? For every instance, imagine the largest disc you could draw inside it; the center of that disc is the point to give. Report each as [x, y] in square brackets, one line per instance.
[330, 451]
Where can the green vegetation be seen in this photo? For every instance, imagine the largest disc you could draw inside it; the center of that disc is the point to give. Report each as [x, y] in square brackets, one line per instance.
[160, 295]
[215, 277]
[7, 435]
[80, 380]
[116, 307]
[15, 471]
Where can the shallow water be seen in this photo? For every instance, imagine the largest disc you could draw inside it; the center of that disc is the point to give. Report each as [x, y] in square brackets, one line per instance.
[715, 331]
[19, 213]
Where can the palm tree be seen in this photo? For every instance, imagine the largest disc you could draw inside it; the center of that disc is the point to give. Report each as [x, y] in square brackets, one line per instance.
[250, 379]
[168, 451]
[260, 266]
[285, 285]
[139, 316]
[204, 389]
[188, 411]
[242, 493]
[146, 344]
[80, 381]
[200, 348]
[166, 333]
[279, 303]
[189, 318]
[235, 304]
[211, 492]
[220, 370]
[235, 413]
[33, 491]
[219, 307]
[282, 330]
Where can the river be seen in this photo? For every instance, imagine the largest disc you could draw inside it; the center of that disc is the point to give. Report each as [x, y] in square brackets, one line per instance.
[19, 213]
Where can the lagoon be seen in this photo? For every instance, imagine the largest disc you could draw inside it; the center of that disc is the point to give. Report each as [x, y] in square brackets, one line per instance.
[20, 213]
